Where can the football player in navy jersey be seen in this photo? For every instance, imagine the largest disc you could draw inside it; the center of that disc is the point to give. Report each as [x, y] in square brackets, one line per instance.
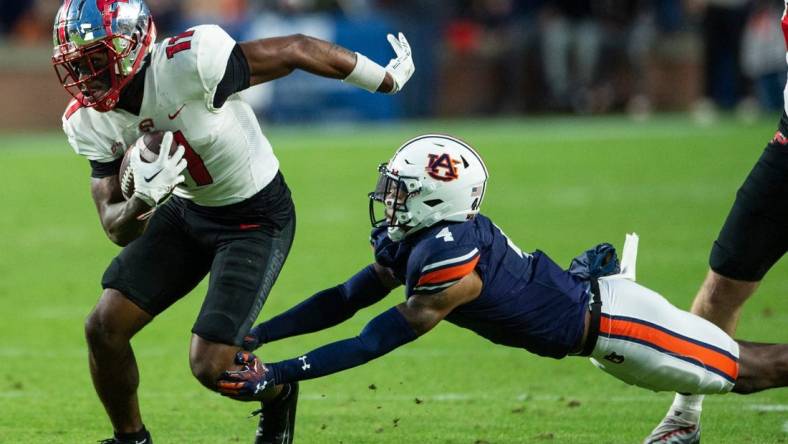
[456, 264]
[221, 204]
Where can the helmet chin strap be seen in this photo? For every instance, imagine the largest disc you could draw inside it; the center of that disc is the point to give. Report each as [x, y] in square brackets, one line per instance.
[398, 233]
[108, 102]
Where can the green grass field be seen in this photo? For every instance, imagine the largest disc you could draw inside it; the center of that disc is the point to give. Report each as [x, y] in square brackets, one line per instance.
[560, 185]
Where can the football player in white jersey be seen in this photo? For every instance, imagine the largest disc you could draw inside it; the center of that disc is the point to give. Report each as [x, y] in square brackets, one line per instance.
[230, 213]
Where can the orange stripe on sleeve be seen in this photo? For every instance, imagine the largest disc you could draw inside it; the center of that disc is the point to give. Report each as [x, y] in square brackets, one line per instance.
[449, 273]
[672, 344]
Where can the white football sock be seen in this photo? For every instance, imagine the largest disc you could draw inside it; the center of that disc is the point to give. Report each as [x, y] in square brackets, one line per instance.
[691, 404]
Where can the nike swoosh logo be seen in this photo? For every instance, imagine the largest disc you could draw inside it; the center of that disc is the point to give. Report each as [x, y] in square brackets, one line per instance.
[148, 179]
[173, 116]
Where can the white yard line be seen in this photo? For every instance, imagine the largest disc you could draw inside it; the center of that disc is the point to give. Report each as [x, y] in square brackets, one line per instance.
[463, 397]
[768, 407]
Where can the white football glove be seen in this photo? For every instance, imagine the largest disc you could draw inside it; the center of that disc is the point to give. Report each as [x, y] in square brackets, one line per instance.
[401, 67]
[154, 181]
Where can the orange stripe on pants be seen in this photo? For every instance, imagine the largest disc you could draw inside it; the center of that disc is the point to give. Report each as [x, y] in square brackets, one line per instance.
[673, 344]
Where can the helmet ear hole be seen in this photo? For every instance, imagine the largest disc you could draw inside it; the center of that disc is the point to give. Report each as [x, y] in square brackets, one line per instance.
[432, 202]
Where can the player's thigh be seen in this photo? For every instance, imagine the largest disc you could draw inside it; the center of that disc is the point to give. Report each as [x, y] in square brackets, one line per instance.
[161, 266]
[754, 235]
[646, 341]
[244, 270]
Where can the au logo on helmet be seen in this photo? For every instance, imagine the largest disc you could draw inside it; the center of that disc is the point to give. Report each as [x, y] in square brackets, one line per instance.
[441, 167]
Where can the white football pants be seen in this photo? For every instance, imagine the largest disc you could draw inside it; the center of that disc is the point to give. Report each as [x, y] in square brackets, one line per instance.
[646, 341]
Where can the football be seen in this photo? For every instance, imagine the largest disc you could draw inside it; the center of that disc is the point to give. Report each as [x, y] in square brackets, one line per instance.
[149, 143]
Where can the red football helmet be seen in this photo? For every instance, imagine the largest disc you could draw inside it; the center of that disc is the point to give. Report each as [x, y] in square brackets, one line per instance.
[99, 46]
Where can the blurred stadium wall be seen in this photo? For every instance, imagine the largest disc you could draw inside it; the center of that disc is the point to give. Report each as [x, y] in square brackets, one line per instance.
[473, 57]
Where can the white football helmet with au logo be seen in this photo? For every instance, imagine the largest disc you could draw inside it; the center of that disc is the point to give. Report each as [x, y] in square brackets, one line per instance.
[431, 178]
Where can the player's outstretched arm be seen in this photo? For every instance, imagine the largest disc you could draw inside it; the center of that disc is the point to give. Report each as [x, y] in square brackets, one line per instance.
[277, 57]
[326, 308]
[389, 330]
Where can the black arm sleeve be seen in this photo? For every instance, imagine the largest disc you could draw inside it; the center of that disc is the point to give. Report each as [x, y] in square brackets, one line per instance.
[105, 169]
[236, 77]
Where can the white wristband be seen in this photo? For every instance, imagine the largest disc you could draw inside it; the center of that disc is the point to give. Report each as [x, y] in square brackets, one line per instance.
[366, 74]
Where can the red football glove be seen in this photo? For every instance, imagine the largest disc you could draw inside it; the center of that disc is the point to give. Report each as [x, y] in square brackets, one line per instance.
[248, 383]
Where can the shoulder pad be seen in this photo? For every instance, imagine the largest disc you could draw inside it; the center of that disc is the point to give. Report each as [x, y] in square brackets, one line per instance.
[433, 266]
[84, 137]
[190, 65]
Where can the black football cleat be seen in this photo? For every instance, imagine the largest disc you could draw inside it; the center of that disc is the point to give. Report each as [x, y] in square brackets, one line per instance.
[277, 418]
[145, 439]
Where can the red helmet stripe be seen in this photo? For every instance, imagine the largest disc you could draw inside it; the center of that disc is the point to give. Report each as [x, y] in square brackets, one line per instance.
[61, 27]
[61, 33]
[101, 5]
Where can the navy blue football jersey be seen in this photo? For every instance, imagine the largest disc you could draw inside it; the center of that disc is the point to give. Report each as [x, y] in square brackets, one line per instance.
[527, 300]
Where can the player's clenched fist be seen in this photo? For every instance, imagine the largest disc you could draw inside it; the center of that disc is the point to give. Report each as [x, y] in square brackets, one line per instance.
[155, 180]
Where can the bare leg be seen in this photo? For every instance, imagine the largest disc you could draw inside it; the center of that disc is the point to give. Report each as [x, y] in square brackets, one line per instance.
[209, 359]
[113, 368]
[720, 300]
[761, 367]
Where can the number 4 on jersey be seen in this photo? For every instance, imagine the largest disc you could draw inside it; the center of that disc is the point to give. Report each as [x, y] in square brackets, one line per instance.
[445, 234]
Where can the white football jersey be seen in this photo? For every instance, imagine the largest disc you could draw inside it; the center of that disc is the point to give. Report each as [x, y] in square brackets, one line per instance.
[228, 157]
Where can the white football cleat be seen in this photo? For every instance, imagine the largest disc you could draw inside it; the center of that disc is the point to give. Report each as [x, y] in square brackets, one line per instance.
[676, 428]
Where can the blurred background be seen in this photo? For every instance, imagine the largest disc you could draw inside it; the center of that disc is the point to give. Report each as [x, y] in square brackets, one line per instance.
[473, 57]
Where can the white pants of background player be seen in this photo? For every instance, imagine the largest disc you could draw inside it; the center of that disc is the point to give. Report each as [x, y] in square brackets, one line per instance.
[645, 341]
